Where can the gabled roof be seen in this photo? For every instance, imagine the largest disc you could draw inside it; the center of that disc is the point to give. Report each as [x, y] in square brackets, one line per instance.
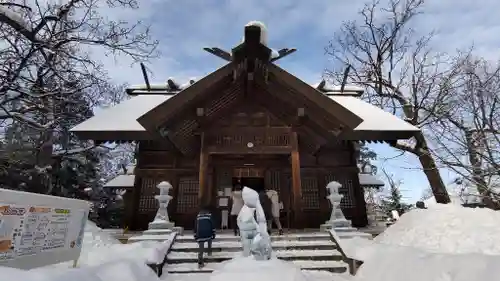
[129, 119]
[120, 121]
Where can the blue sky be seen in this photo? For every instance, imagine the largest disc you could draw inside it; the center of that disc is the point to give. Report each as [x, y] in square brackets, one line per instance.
[185, 27]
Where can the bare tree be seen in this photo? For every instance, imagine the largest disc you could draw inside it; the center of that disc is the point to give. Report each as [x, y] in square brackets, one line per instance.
[466, 130]
[399, 70]
[48, 75]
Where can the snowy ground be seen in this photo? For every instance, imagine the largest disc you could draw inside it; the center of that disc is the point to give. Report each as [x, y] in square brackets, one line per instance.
[443, 243]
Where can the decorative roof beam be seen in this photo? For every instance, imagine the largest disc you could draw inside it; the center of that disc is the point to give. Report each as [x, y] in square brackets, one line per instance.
[219, 53]
[169, 88]
[283, 53]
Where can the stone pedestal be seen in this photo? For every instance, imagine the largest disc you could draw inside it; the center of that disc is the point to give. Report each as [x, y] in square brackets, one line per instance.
[161, 228]
[161, 224]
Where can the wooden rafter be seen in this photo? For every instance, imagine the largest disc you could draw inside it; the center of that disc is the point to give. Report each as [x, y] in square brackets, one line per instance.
[328, 106]
[310, 139]
[273, 96]
[215, 81]
[324, 119]
[184, 127]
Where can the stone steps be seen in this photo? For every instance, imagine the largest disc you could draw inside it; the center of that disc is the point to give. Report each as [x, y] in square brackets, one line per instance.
[331, 266]
[235, 246]
[292, 254]
[309, 251]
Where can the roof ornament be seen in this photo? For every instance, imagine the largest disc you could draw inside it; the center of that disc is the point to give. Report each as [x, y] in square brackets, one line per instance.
[343, 89]
[255, 34]
[145, 75]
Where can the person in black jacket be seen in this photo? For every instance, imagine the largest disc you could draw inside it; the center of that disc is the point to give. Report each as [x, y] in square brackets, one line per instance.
[267, 206]
[204, 231]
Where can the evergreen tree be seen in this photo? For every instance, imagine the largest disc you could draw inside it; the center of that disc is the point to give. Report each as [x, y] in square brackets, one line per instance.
[392, 199]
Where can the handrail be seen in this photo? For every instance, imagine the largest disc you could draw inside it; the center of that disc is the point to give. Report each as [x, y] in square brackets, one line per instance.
[352, 264]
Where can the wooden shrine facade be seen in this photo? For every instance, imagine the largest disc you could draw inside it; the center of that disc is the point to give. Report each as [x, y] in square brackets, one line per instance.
[249, 144]
[248, 119]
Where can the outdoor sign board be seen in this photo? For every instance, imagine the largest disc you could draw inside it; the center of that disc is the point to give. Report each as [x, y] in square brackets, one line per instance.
[38, 230]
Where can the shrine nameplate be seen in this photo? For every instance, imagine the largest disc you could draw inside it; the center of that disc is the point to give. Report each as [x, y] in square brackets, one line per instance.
[250, 141]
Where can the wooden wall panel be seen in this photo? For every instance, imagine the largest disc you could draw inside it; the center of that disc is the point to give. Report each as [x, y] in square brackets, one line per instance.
[334, 158]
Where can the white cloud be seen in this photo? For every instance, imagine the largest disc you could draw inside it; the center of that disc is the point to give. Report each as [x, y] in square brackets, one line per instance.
[185, 27]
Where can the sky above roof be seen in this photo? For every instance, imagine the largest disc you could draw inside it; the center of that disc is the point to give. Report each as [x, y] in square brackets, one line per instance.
[185, 27]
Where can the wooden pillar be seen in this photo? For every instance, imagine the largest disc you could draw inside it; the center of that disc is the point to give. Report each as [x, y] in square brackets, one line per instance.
[132, 217]
[324, 205]
[360, 218]
[296, 180]
[204, 192]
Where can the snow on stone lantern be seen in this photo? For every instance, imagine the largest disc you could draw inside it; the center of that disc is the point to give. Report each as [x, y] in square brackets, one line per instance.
[337, 218]
[161, 220]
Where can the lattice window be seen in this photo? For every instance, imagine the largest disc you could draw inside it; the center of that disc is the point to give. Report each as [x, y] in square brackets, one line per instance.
[310, 193]
[147, 201]
[224, 179]
[187, 200]
[273, 180]
[347, 189]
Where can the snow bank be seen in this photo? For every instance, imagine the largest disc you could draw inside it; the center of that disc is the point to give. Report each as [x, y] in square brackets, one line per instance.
[122, 270]
[100, 247]
[446, 229]
[249, 269]
[405, 263]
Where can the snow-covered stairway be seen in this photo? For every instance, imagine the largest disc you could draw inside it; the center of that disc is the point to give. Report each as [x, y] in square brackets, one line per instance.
[309, 251]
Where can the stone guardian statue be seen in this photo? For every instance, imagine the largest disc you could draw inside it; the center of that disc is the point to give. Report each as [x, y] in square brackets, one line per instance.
[253, 227]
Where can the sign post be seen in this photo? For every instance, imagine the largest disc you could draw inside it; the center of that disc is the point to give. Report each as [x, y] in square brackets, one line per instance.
[38, 230]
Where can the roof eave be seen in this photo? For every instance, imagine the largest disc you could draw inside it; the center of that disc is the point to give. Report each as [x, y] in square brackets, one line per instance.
[113, 135]
[377, 135]
[154, 118]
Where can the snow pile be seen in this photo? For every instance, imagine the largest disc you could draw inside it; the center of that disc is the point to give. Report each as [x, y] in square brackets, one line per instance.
[123, 270]
[95, 237]
[360, 249]
[405, 263]
[100, 247]
[447, 229]
[249, 269]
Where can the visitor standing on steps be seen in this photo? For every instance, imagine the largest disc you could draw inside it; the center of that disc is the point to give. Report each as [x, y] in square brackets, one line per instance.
[275, 210]
[237, 204]
[267, 207]
[204, 231]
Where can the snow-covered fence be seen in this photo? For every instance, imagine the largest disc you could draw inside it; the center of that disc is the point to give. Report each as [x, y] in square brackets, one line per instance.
[38, 230]
[347, 256]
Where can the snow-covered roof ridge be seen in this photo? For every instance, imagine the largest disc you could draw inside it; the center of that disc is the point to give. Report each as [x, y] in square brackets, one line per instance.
[328, 88]
[263, 31]
[123, 116]
[374, 118]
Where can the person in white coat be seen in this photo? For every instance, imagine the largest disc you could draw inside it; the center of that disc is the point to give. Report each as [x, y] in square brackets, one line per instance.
[275, 210]
[237, 204]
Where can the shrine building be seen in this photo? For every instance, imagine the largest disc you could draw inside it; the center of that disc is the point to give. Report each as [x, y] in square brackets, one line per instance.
[249, 121]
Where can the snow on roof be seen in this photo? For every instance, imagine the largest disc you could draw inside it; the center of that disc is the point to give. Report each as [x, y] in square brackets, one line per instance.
[369, 180]
[374, 118]
[446, 228]
[123, 116]
[121, 181]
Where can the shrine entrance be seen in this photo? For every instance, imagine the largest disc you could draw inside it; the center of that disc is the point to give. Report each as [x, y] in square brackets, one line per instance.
[257, 184]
